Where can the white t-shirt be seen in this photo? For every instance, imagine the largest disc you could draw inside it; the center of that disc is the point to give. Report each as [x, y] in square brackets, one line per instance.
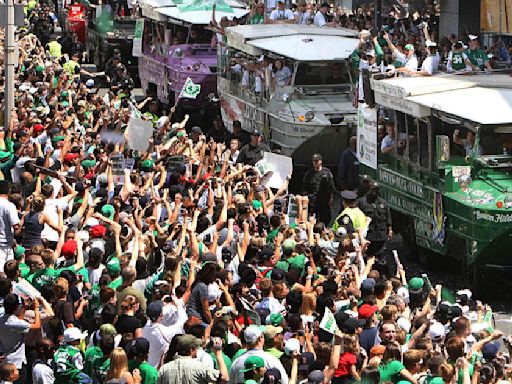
[303, 17]
[271, 5]
[12, 339]
[8, 218]
[50, 209]
[319, 19]
[159, 337]
[95, 274]
[42, 374]
[278, 14]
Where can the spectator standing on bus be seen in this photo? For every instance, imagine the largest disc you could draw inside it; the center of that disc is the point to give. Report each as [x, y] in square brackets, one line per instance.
[457, 58]
[302, 15]
[320, 19]
[257, 14]
[407, 58]
[366, 56]
[319, 187]
[281, 14]
[468, 143]
[477, 56]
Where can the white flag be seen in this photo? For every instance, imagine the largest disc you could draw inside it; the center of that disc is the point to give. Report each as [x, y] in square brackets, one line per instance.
[328, 322]
[190, 90]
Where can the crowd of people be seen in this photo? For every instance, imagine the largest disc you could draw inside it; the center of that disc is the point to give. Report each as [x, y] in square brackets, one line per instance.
[184, 267]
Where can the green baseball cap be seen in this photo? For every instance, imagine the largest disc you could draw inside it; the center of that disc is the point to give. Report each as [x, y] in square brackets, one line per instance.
[181, 134]
[275, 319]
[409, 47]
[416, 283]
[88, 163]
[253, 362]
[113, 266]
[146, 164]
[297, 262]
[39, 68]
[256, 204]
[108, 210]
[19, 251]
[289, 245]
[56, 139]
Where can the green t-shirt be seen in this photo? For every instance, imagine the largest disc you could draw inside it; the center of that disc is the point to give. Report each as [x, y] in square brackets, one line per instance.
[391, 371]
[274, 352]
[65, 369]
[227, 360]
[93, 355]
[116, 283]
[45, 276]
[25, 270]
[477, 57]
[148, 373]
[458, 61]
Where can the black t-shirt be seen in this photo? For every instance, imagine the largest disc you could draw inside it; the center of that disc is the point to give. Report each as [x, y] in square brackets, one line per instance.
[127, 324]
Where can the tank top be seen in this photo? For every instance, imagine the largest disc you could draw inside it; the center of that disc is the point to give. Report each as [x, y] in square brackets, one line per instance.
[458, 61]
[32, 230]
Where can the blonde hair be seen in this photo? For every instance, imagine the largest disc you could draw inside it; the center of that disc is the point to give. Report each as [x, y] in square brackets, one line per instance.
[118, 364]
[308, 303]
[61, 287]
[350, 343]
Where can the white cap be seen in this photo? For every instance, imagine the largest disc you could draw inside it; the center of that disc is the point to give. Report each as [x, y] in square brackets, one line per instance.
[291, 346]
[464, 46]
[473, 37]
[436, 331]
[252, 333]
[429, 44]
[404, 324]
[32, 91]
[98, 244]
[161, 121]
[73, 334]
[91, 222]
[404, 293]
[89, 83]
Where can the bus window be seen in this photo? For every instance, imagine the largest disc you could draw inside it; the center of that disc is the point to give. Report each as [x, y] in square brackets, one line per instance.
[411, 137]
[321, 73]
[401, 133]
[424, 144]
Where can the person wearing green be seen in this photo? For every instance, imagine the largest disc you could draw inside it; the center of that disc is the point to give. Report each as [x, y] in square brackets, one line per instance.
[114, 269]
[19, 254]
[254, 369]
[138, 351]
[477, 57]
[457, 59]
[357, 217]
[68, 359]
[391, 368]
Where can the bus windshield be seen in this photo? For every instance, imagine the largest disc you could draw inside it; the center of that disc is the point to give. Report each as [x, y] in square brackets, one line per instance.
[334, 73]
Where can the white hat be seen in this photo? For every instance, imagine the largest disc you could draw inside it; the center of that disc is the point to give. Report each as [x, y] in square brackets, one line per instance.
[83, 235]
[89, 83]
[32, 90]
[252, 333]
[73, 334]
[98, 244]
[161, 121]
[91, 222]
[436, 331]
[404, 293]
[291, 346]
[404, 324]
[473, 37]
[429, 44]
[464, 46]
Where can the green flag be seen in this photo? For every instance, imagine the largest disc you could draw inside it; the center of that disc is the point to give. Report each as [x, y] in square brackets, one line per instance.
[190, 90]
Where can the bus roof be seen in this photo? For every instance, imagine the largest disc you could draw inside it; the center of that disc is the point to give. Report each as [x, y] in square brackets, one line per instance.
[483, 99]
[202, 17]
[298, 42]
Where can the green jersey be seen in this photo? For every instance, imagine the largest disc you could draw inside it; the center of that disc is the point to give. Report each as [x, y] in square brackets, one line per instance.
[458, 60]
[25, 270]
[114, 284]
[148, 373]
[68, 362]
[42, 277]
[93, 356]
[477, 57]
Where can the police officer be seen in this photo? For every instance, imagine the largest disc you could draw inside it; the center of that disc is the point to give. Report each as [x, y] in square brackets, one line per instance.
[376, 208]
[357, 217]
[318, 185]
[252, 152]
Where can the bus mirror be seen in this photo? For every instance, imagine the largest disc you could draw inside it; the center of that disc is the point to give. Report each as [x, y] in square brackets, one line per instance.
[442, 148]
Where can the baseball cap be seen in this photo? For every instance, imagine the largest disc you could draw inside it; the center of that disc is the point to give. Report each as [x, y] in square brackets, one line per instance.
[368, 284]
[19, 251]
[416, 283]
[316, 157]
[69, 248]
[272, 376]
[70, 156]
[253, 362]
[349, 195]
[324, 4]
[108, 210]
[306, 358]
[316, 377]
[196, 129]
[436, 331]
[73, 334]
[252, 333]
[256, 204]
[271, 331]
[366, 311]
[351, 324]
[277, 274]
[490, 350]
[107, 330]
[409, 47]
[473, 37]
[289, 245]
[138, 347]
[275, 319]
[98, 231]
[154, 310]
[291, 346]
[113, 266]
[255, 133]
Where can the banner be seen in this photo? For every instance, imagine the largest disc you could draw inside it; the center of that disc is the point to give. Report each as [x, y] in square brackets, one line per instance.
[190, 90]
[328, 322]
[367, 135]
[137, 38]
[273, 169]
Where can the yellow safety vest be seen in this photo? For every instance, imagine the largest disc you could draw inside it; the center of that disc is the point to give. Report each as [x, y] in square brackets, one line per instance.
[55, 49]
[70, 66]
[356, 215]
